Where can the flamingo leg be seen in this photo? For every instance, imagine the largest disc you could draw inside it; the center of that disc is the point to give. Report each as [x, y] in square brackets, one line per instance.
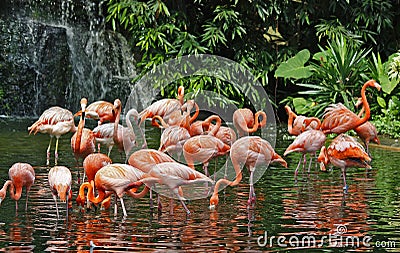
[56, 151]
[48, 151]
[252, 194]
[123, 206]
[176, 191]
[109, 150]
[55, 201]
[67, 208]
[296, 172]
[309, 166]
[115, 205]
[345, 186]
[151, 198]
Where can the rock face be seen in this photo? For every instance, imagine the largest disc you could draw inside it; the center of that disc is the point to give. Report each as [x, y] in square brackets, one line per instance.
[55, 52]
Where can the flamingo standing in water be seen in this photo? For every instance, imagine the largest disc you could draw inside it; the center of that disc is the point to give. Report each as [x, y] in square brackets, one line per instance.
[100, 110]
[145, 159]
[246, 122]
[343, 152]
[82, 142]
[21, 175]
[367, 131]
[296, 122]
[117, 178]
[91, 165]
[55, 121]
[174, 175]
[339, 119]
[309, 141]
[202, 148]
[60, 178]
[250, 151]
[163, 107]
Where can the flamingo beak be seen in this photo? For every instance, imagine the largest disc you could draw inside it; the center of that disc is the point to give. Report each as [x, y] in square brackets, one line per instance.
[322, 166]
[1, 200]
[211, 207]
[377, 86]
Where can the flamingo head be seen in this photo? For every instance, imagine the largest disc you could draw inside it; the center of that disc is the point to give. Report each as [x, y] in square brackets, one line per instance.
[359, 102]
[83, 104]
[288, 110]
[373, 83]
[2, 196]
[213, 202]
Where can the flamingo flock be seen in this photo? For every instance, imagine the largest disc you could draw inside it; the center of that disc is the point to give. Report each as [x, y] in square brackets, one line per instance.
[200, 141]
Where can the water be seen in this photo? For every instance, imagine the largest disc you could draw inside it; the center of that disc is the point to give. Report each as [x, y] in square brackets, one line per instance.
[314, 206]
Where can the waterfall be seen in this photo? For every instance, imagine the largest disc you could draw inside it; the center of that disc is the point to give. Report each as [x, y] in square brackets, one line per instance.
[55, 52]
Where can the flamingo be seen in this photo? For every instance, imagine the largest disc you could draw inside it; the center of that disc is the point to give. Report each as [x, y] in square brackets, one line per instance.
[225, 134]
[309, 141]
[295, 122]
[21, 175]
[145, 159]
[82, 142]
[251, 151]
[367, 131]
[55, 121]
[117, 178]
[60, 184]
[172, 138]
[343, 152]
[174, 175]
[339, 119]
[246, 122]
[100, 110]
[91, 164]
[180, 117]
[202, 148]
[163, 107]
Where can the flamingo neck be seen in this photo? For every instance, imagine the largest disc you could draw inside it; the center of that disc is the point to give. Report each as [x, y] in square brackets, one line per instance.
[257, 123]
[181, 94]
[95, 199]
[196, 113]
[365, 104]
[15, 192]
[156, 124]
[291, 117]
[116, 123]
[3, 190]
[217, 125]
[141, 194]
[81, 125]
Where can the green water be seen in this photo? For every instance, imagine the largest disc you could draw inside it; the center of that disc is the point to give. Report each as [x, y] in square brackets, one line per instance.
[286, 212]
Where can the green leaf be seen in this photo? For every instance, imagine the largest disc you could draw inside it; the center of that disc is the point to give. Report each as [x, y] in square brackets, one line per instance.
[294, 67]
[381, 102]
[387, 85]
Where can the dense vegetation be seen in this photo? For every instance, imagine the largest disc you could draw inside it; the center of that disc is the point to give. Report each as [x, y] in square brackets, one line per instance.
[349, 41]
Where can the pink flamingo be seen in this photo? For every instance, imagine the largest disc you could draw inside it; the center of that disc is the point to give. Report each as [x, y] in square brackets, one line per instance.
[55, 121]
[21, 175]
[100, 110]
[60, 178]
[246, 122]
[174, 175]
[251, 151]
[339, 119]
[296, 122]
[343, 152]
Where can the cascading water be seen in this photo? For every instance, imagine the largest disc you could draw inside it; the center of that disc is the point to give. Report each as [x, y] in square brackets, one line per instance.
[55, 52]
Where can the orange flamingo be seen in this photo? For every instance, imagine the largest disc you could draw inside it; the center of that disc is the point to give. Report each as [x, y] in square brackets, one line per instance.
[339, 119]
[21, 175]
[145, 159]
[163, 107]
[174, 175]
[55, 121]
[100, 110]
[367, 131]
[246, 122]
[251, 151]
[82, 142]
[202, 148]
[296, 122]
[60, 184]
[309, 141]
[91, 165]
[343, 152]
[117, 178]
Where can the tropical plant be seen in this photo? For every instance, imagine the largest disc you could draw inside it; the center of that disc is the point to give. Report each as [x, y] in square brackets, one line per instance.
[334, 75]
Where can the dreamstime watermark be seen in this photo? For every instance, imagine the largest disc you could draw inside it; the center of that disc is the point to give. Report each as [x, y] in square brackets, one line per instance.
[337, 239]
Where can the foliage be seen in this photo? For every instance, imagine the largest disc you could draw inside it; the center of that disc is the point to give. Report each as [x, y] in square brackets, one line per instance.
[336, 74]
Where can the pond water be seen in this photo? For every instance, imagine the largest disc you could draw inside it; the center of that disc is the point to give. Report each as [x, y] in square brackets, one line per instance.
[286, 216]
